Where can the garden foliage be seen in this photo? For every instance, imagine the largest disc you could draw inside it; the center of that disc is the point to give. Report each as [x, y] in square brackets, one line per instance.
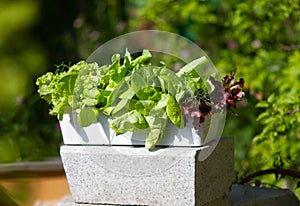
[262, 40]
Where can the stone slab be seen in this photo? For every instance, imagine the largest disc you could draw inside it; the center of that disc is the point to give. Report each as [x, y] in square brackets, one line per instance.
[126, 175]
[245, 195]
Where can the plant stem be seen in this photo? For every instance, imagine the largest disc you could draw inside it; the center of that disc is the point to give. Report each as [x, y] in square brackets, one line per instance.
[285, 172]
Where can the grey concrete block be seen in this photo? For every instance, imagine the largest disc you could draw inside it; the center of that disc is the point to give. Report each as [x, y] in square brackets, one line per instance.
[135, 176]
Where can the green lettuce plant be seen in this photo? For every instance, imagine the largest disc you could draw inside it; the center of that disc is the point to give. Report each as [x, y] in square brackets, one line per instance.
[137, 95]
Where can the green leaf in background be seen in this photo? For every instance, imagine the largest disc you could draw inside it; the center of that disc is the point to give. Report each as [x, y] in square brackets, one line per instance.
[262, 104]
[298, 184]
[7, 145]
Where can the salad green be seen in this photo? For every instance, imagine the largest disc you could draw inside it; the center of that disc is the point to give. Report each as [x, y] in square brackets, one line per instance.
[134, 93]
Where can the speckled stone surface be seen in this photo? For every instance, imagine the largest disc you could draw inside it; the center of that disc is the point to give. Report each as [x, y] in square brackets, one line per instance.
[245, 195]
[126, 175]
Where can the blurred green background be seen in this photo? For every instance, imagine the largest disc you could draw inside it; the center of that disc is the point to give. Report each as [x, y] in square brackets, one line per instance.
[260, 38]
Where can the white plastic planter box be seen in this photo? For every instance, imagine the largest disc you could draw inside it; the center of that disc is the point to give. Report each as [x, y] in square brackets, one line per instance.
[101, 134]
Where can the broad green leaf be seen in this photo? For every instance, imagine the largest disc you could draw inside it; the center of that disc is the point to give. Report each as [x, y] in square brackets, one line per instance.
[131, 121]
[65, 109]
[148, 93]
[197, 65]
[154, 137]
[116, 72]
[118, 91]
[141, 59]
[157, 120]
[103, 96]
[90, 102]
[91, 93]
[163, 102]
[115, 58]
[174, 112]
[162, 84]
[127, 94]
[121, 105]
[60, 108]
[87, 116]
[68, 82]
[127, 59]
[144, 106]
[138, 82]
[108, 110]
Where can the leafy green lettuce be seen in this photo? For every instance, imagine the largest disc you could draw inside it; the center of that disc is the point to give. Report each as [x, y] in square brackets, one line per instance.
[135, 94]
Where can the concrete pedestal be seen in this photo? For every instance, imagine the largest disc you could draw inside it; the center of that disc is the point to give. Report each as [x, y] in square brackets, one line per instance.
[124, 175]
